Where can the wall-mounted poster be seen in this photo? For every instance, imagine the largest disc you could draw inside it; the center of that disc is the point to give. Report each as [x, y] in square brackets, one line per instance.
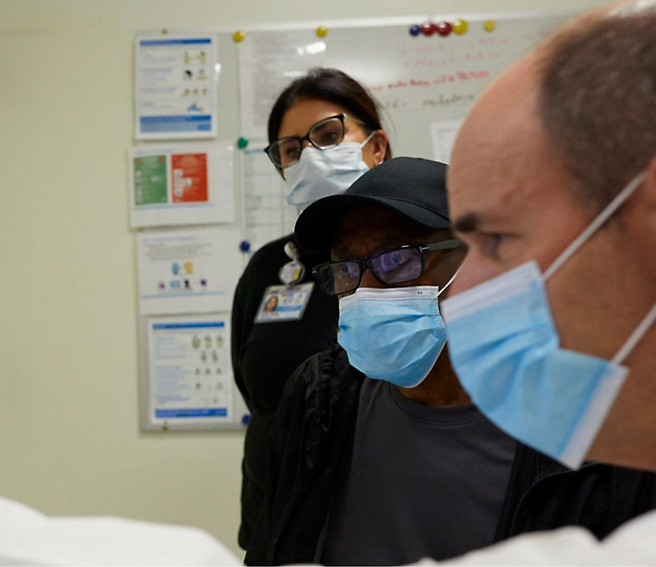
[176, 80]
[181, 185]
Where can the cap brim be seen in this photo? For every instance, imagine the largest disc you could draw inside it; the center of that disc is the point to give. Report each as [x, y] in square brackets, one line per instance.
[316, 225]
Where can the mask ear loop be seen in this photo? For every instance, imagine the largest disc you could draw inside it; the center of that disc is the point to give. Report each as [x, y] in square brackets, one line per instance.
[363, 144]
[615, 204]
[453, 277]
[635, 337]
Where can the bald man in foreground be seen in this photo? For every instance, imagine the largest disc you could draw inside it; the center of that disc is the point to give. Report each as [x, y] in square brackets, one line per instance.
[552, 185]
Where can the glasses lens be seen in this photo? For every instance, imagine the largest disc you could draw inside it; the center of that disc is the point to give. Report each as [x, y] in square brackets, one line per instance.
[338, 277]
[398, 266]
[327, 133]
[285, 152]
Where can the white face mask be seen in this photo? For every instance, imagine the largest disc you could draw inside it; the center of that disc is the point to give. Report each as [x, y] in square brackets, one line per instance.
[321, 173]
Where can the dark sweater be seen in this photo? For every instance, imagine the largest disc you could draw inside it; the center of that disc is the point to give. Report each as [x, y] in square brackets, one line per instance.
[265, 355]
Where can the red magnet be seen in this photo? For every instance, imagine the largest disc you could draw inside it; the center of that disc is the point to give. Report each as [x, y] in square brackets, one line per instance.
[443, 28]
[428, 28]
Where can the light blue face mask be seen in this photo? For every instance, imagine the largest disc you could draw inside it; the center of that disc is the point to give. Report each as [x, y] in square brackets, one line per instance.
[393, 334]
[322, 173]
[505, 349]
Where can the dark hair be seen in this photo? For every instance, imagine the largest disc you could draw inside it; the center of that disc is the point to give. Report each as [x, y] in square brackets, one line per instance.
[333, 86]
[597, 100]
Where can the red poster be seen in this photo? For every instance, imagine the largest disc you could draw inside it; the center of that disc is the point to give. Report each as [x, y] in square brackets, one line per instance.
[189, 178]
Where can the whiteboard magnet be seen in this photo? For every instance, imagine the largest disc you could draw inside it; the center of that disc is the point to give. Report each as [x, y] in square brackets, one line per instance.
[415, 30]
[489, 25]
[460, 27]
[443, 29]
[244, 245]
[428, 28]
[238, 36]
[322, 31]
[242, 143]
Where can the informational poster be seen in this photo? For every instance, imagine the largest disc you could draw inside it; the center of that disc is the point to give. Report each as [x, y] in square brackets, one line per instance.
[188, 271]
[190, 375]
[176, 80]
[444, 135]
[181, 185]
[267, 216]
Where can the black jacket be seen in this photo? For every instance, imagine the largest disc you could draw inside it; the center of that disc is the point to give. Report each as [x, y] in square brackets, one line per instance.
[309, 451]
[265, 355]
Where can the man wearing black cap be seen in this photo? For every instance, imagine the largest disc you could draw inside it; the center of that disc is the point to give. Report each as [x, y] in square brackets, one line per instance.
[376, 455]
[381, 432]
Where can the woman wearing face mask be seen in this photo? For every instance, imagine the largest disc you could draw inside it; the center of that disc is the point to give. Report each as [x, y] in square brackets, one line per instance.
[324, 133]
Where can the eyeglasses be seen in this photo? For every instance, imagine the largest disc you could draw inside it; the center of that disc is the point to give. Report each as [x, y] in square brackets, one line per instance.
[395, 266]
[325, 134]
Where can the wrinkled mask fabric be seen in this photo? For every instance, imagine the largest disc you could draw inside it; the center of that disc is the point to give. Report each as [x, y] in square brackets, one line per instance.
[393, 334]
[505, 350]
[322, 173]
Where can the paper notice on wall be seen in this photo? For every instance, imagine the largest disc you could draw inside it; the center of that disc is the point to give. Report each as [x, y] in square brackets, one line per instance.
[181, 185]
[176, 79]
[267, 216]
[188, 271]
[444, 135]
[190, 371]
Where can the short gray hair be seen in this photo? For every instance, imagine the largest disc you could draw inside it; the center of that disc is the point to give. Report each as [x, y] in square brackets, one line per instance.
[597, 100]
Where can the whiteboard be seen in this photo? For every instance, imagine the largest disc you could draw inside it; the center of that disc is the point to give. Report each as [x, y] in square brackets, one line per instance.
[418, 80]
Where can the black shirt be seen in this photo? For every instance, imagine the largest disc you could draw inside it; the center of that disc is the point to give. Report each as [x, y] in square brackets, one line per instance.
[264, 355]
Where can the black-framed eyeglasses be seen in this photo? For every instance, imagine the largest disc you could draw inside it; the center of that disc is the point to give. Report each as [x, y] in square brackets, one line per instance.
[325, 134]
[395, 266]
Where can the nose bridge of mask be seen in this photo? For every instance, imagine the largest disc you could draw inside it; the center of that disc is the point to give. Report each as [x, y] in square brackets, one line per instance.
[419, 293]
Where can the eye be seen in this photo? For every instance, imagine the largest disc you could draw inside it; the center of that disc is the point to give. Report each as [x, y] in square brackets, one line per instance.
[492, 242]
[292, 154]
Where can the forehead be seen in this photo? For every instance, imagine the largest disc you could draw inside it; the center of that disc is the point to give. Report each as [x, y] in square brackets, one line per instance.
[502, 164]
[300, 117]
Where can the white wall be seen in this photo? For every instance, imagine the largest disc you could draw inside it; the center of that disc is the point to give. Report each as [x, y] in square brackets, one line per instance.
[69, 435]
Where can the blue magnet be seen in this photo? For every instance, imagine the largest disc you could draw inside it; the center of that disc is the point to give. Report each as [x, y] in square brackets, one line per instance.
[244, 245]
[246, 419]
[415, 30]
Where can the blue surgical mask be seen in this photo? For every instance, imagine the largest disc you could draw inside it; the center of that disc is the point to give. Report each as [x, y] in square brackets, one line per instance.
[393, 334]
[322, 173]
[505, 349]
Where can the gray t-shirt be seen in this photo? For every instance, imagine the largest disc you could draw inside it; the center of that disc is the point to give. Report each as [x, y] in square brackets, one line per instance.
[423, 482]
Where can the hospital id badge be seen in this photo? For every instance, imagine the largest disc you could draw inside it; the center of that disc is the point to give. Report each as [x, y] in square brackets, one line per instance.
[284, 303]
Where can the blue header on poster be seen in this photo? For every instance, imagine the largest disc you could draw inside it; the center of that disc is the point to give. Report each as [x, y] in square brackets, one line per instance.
[158, 42]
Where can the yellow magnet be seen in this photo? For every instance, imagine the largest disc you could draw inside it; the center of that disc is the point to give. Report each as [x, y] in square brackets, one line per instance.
[489, 25]
[322, 31]
[238, 36]
[460, 27]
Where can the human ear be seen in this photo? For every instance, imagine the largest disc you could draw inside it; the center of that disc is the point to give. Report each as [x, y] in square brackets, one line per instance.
[379, 146]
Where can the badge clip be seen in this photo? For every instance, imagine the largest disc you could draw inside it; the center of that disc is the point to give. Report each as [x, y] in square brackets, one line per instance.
[292, 272]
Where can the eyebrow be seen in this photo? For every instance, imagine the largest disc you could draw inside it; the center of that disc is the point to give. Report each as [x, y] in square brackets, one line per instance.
[468, 222]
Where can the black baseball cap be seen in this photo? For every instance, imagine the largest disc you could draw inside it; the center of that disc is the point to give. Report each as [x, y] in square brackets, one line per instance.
[413, 187]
